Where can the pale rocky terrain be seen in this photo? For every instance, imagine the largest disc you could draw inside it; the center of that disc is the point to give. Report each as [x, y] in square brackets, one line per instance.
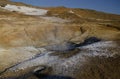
[58, 43]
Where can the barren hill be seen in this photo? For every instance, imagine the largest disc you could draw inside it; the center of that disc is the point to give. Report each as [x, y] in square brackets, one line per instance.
[57, 39]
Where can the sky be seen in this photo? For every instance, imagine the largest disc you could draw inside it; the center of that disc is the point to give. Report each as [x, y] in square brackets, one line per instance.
[110, 6]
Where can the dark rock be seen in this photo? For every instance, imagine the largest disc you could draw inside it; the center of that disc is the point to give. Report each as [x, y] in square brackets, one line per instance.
[88, 41]
[41, 74]
[45, 76]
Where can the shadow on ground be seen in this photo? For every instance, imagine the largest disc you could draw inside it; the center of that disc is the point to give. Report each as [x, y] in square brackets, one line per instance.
[45, 76]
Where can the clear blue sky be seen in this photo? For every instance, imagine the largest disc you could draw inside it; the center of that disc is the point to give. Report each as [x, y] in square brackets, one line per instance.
[111, 6]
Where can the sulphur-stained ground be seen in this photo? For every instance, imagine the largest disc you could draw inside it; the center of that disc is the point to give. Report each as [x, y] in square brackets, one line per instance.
[58, 43]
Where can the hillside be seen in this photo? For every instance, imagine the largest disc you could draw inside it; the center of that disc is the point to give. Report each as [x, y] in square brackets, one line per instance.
[58, 43]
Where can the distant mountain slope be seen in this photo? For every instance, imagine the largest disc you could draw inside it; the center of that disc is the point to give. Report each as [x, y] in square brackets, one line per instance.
[86, 23]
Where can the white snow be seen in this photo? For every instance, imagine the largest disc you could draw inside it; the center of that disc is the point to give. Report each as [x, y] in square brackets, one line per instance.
[96, 46]
[71, 11]
[25, 10]
[81, 58]
[86, 51]
[101, 49]
[74, 13]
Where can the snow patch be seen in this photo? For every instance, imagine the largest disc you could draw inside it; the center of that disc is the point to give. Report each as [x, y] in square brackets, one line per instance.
[71, 11]
[74, 13]
[25, 10]
[69, 65]
[99, 44]
[93, 50]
